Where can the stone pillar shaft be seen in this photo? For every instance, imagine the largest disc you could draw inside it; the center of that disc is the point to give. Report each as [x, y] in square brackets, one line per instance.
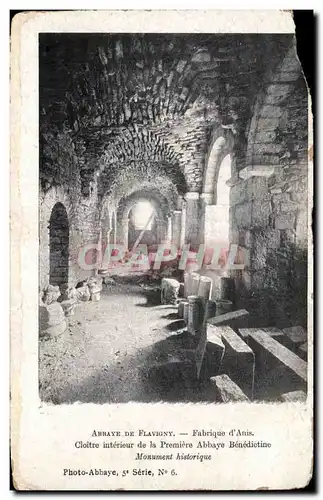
[169, 228]
[176, 228]
[193, 223]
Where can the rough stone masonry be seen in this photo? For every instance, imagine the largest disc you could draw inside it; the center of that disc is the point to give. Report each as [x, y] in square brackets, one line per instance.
[126, 117]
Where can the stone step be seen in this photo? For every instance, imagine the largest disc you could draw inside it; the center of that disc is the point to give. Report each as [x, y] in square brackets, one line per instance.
[276, 365]
[235, 319]
[238, 361]
[296, 336]
[200, 352]
[226, 390]
[289, 341]
[274, 333]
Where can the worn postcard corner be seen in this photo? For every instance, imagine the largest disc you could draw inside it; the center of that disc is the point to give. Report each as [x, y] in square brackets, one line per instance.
[162, 261]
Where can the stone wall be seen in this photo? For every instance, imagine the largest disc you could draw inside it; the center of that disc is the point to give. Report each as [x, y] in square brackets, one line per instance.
[269, 203]
[59, 245]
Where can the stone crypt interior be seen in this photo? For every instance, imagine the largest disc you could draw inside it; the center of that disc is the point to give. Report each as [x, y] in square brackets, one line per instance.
[186, 140]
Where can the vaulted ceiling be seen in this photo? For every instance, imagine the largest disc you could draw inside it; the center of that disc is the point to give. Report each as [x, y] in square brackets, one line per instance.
[151, 101]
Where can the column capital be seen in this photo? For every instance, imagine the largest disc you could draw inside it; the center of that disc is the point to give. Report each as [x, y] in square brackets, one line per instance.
[192, 195]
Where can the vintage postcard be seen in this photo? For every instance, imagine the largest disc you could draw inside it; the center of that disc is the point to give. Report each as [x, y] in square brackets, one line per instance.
[162, 294]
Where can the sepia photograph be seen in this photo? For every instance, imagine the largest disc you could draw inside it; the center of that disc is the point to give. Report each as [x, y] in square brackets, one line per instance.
[161, 251]
[173, 218]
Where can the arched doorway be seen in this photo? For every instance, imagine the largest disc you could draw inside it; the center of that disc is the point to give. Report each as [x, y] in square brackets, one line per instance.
[142, 217]
[58, 245]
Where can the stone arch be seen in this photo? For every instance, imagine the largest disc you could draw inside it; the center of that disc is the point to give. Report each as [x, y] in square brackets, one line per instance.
[272, 113]
[143, 151]
[122, 179]
[58, 245]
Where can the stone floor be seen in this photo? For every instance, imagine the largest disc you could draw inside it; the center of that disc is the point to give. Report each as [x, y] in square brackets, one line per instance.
[107, 350]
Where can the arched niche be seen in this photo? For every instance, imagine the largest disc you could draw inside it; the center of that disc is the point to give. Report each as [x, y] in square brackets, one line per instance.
[276, 109]
[55, 196]
[58, 245]
[216, 214]
[211, 171]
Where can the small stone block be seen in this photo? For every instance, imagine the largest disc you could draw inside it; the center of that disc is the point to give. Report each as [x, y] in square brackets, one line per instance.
[68, 307]
[95, 297]
[169, 290]
[180, 309]
[302, 351]
[274, 333]
[296, 334]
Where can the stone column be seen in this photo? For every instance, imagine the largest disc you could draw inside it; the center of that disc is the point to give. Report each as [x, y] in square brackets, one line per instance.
[183, 223]
[176, 228]
[193, 222]
[195, 315]
[122, 231]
